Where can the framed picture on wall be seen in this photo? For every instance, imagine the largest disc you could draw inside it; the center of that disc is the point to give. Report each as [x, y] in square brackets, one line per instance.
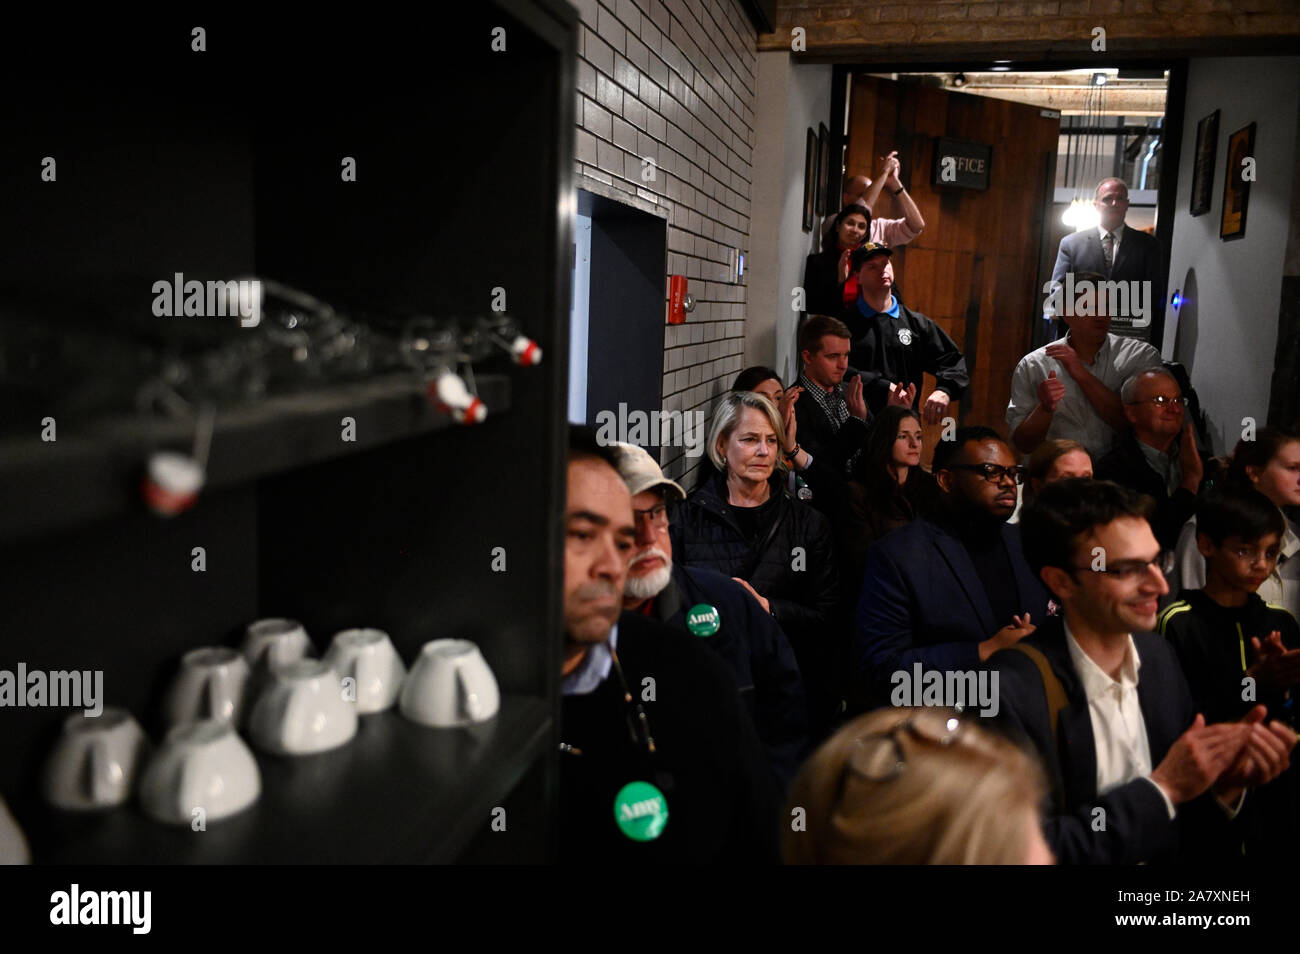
[809, 180]
[1207, 145]
[1237, 177]
[823, 167]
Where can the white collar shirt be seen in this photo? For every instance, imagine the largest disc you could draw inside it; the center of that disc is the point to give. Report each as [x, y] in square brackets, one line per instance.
[1075, 417]
[1118, 729]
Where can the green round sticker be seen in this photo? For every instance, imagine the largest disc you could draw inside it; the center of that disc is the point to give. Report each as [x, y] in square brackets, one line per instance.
[641, 811]
[703, 619]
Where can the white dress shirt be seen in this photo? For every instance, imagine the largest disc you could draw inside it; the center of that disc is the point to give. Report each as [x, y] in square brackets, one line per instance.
[1118, 729]
[1075, 417]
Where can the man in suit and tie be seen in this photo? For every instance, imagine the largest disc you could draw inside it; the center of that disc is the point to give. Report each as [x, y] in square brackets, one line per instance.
[949, 592]
[1136, 774]
[1114, 250]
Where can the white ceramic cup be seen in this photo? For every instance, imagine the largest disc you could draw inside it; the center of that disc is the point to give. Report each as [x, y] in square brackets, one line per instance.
[201, 765]
[95, 761]
[210, 685]
[271, 643]
[302, 711]
[449, 685]
[13, 846]
[368, 658]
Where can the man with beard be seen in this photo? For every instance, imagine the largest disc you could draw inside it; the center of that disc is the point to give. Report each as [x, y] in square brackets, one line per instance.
[949, 592]
[716, 610]
[659, 762]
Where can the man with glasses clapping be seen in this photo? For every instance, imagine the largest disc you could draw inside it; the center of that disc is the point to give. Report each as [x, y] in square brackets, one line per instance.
[1135, 772]
[1158, 456]
[948, 592]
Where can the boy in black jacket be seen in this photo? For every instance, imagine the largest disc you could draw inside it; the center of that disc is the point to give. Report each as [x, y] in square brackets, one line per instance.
[1235, 649]
[1224, 634]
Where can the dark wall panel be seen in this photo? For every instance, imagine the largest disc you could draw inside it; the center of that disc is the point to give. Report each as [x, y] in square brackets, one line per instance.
[625, 338]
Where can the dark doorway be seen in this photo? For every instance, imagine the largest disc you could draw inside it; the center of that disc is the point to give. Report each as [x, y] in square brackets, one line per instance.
[628, 263]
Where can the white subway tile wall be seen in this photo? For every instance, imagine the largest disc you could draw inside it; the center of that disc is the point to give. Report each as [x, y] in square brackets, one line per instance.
[673, 82]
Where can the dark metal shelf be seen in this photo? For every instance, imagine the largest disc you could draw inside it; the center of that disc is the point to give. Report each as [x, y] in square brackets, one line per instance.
[397, 793]
[78, 478]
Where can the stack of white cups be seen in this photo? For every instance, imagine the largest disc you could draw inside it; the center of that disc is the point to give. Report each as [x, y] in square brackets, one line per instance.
[289, 703]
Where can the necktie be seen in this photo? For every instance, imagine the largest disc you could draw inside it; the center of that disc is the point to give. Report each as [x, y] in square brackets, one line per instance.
[1108, 249]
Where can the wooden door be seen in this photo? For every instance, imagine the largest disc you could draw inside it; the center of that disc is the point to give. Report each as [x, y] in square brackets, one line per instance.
[974, 269]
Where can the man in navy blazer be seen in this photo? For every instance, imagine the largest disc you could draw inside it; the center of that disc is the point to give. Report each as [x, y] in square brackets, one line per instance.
[1134, 255]
[1135, 773]
[948, 593]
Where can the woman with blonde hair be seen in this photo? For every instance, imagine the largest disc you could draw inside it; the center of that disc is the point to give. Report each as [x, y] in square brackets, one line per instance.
[742, 522]
[903, 786]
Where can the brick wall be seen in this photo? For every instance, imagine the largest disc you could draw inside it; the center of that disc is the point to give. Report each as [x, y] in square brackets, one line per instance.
[926, 30]
[674, 82]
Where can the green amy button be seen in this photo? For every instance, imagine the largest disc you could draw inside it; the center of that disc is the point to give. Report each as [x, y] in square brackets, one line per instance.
[703, 619]
[641, 811]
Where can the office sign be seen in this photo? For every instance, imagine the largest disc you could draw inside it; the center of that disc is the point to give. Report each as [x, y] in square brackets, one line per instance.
[960, 164]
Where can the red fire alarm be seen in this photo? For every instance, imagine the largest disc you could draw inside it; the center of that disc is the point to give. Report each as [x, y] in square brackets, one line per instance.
[676, 299]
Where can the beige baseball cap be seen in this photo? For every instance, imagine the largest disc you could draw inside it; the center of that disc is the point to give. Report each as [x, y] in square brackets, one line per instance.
[640, 472]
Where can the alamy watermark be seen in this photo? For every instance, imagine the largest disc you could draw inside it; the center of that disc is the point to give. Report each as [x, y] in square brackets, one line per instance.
[77, 907]
[214, 299]
[662, 428]
[78, 689]
[948, 689]
[1086, 298]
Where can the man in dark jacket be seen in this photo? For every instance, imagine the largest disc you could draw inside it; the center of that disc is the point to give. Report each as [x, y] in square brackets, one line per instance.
[716, 610]
[948, 592]
[1114, 250]
[1158, 457]
[830, 412]
[659, 762]
[893, 345]
[1103, 703]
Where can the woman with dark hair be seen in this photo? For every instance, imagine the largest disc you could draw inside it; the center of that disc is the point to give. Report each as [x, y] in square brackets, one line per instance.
[741, 522]
[761, 380]
[1270, 464]
[828, 284]
[886, 489]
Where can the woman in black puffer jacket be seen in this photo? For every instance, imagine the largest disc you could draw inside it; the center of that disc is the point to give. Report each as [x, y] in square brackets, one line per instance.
[740, 521]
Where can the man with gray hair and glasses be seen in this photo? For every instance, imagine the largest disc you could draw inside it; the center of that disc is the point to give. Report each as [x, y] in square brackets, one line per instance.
[1157, 456]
